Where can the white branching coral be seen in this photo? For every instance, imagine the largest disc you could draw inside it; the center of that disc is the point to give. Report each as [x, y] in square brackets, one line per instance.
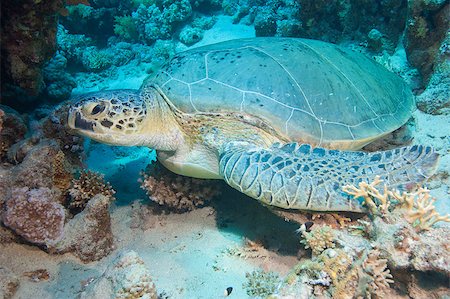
[418, 207]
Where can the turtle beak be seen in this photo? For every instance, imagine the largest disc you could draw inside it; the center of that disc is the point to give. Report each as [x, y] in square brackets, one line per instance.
[77, 122]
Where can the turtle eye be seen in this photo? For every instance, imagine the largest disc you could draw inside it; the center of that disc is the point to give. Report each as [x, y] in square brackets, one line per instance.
[98, 109]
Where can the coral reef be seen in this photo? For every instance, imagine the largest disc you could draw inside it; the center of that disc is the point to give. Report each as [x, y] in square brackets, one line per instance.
[124, 27]
[436, 97]
[59, 83]
[126, 278]
[88, 235]
[394, 245]
[8, 283]
[177, 193]
[427, 26]
[33, 214]
[159, 20]
[54, 127]
[28, 42]
[261, 284]
[34, 183]
[86, 187]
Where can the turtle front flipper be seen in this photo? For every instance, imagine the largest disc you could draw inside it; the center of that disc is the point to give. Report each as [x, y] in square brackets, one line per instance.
[296, 176]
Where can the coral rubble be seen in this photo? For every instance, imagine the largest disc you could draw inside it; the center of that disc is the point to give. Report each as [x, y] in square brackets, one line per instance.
[8, 283]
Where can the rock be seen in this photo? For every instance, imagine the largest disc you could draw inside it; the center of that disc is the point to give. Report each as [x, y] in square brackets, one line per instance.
[375, 40]
[88, 235]
[33, 215]
[126, 278]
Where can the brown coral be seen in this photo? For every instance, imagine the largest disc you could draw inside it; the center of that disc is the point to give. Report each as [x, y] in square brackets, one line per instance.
[177, 193]
[86, 187]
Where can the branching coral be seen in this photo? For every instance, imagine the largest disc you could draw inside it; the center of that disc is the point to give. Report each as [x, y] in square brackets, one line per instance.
[374, 274]
[373, 198]
[318, 239]
[177, 193]
[86, 187]
[418, 207]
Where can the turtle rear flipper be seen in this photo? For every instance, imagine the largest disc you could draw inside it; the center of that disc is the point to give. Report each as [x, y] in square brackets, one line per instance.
[297, 176]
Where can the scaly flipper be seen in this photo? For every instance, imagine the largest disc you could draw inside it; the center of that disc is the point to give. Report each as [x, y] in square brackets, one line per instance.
[296, 176]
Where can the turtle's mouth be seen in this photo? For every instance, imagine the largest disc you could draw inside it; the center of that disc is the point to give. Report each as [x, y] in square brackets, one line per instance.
[76, 121]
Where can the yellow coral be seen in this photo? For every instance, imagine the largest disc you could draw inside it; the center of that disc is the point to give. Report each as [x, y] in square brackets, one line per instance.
[420, 209]
[373, 198]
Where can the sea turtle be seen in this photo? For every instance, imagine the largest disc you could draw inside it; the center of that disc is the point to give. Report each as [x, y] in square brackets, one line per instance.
[278, 119]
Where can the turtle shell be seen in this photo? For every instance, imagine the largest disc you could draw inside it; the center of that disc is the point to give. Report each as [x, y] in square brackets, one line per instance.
[309, 90]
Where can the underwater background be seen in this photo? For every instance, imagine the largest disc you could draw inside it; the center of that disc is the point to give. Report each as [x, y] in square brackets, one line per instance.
[80, 219]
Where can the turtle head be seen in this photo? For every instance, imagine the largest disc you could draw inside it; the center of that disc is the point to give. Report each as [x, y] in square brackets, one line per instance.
[114, 117]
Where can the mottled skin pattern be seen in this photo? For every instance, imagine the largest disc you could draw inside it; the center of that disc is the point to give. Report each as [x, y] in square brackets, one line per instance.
[205, 133]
